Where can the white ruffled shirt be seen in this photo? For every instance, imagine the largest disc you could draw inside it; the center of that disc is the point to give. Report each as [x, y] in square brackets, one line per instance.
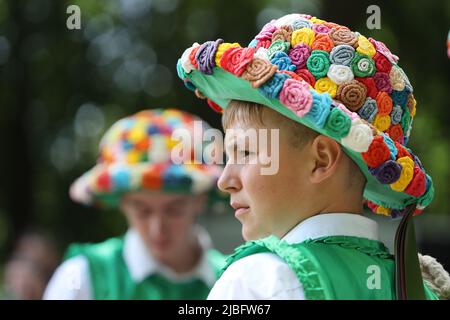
[71, 280]
[264, 276]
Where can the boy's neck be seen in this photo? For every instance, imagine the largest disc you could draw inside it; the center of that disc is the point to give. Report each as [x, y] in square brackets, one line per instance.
[187, 257]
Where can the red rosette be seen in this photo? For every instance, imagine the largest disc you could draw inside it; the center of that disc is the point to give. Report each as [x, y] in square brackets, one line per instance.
[377, 154]
[395, 132]
[263, 44]
[236, 59]
[192, 57]
[214, 106]
[382, 63]
[401, 151]
[372, 206]
[384, 103]
[418, 184]
[293, 75]
[307, 76]
[372, 90]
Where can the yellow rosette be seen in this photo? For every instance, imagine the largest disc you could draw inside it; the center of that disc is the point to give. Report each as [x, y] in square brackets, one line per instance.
[326, 85]
[365, 47]
[222, 48]
[382, 122]
[303, 35]
[406, 176]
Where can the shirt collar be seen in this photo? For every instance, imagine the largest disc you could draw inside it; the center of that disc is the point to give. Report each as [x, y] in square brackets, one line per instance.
[141, 263]
[333, 224]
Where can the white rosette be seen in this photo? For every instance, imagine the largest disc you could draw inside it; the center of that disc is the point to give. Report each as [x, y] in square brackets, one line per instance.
[185, 62]
[262, 53]
[340, 74]
[359, 137]
[287, 20]
[396, 76]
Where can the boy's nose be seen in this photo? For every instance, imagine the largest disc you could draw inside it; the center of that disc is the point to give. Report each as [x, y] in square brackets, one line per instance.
[229, 180]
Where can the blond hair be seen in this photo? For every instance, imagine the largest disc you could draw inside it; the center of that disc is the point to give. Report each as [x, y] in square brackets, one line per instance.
[252, 114]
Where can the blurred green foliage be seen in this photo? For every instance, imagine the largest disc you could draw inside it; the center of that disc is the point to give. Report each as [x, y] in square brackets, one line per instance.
[60, 89]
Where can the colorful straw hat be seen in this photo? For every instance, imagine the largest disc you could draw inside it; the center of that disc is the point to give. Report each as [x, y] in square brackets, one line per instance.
[332, 80]
[135, 154]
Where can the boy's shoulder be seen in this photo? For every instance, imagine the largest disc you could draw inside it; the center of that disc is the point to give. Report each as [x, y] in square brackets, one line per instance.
[260, 274]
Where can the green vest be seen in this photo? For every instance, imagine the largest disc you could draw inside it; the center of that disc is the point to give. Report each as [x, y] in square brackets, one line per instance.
[111, 280]
[335, 267]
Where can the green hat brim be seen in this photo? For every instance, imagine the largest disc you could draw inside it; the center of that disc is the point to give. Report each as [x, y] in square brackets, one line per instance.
[221, 87]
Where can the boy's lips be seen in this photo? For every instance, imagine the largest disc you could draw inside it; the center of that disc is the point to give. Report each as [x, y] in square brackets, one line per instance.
[240, 208]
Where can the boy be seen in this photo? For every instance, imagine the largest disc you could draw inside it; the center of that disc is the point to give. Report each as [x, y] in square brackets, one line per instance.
[344, 112]
[164, 254]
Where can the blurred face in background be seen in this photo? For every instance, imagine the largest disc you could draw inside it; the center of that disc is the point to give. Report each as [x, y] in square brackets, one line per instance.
[164, 221]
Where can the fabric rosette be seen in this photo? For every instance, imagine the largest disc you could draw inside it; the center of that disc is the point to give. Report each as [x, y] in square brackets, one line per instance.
[352, 94]
[206, 55]
[273, 86]
[277, 46]
[258, 71]
[283, 34]
[338, 123]
[388, 172]
[382, 122]
[301, 23]
[369, 82]
[321, 28]
[340, 74]
[382, 63]
[303, 36]
[262, 53]
[342, 54]
[322, 42]
[299, 55]
[325, 84]
[377, 153]
[384, 103]
[236, 59]
[221, 50]
[282, 61]
[343, 36]
[359, 136]
[318, 63]
[320, 109]
[406, 175]
[365, 47]
[382, 82]
[185, 61]
[362, 65]
[307, 76]
[396, 114]
[296, 96]
[369, 110]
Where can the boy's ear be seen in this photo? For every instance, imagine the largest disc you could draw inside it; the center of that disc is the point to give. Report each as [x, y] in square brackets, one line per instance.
[326, 154]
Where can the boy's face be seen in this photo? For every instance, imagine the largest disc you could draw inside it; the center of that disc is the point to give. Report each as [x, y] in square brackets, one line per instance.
[164, 221]
[266, 204]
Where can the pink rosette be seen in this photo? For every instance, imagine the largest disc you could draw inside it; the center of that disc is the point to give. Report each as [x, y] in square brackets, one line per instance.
[321, 28]
[296, 96]
[266, 32]
[382, 82]
[381, 48]
[299, 55]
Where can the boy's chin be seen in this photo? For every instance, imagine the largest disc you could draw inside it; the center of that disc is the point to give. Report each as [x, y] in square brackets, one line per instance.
[250, 234]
